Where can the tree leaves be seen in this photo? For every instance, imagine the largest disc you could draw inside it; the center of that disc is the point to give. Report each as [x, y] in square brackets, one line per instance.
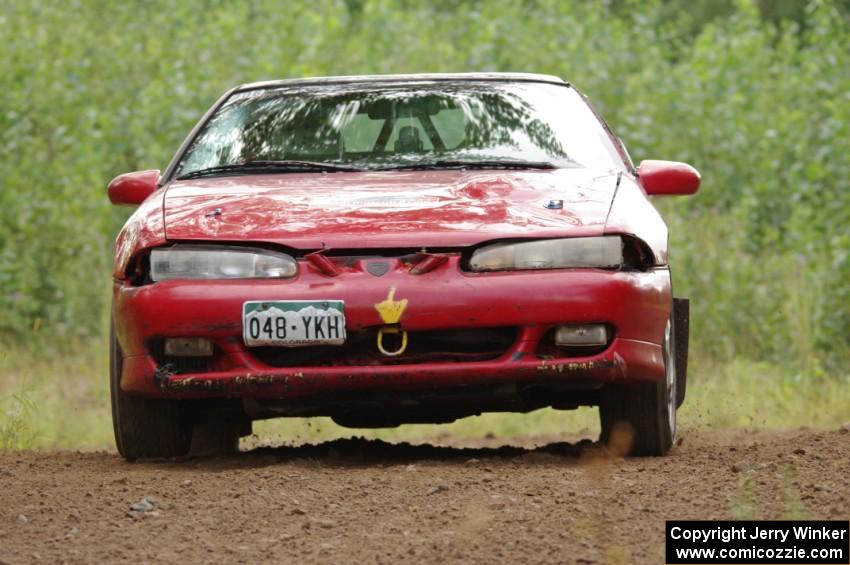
[758, 102]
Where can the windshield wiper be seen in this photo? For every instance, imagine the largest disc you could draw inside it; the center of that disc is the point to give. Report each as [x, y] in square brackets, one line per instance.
[260, 167]
[471, 164]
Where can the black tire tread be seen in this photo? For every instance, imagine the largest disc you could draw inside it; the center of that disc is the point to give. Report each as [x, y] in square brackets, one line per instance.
[145, 428]
[643, 407]
[682, 322]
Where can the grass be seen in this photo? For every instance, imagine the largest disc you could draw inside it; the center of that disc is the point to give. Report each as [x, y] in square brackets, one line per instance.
[65, 394]
[757, 103]
[61, 400]
[16, 426]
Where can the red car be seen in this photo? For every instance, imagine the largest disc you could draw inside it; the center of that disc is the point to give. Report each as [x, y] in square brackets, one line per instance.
[395, 249]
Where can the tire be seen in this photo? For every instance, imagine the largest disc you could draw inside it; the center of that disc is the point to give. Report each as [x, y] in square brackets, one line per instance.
[681, 323]
[640, 419]
[145, 428]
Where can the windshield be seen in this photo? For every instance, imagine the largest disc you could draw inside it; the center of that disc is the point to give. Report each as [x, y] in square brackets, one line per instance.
[385, 126]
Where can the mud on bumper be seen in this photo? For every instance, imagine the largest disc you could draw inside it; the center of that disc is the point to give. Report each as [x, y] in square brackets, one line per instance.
[522, 306]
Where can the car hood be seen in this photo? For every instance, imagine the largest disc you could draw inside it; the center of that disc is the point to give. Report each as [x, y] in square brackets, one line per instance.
[447, 208]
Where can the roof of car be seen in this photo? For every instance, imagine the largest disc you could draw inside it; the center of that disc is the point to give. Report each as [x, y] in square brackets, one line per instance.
[424, 77]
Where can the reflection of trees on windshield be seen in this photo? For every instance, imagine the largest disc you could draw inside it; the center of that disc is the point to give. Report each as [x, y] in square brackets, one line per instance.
[500, 119]
[384, 126]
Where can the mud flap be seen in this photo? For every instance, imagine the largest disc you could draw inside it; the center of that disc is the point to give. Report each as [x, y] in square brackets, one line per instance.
[681, 322]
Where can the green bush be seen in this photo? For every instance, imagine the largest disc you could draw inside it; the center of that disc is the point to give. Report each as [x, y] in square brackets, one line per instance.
[761, 105]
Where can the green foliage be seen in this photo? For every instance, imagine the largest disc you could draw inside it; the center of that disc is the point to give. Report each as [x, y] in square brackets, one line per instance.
[54, 396]
[17, 420]
[756, 94]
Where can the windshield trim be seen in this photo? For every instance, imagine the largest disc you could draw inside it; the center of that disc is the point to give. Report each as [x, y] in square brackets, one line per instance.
[405, 79]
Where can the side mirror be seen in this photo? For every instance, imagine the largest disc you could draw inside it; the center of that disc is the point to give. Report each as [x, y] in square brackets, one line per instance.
[131, 189]
[668, 178]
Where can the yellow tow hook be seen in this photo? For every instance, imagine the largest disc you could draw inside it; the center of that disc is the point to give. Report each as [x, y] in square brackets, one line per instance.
[395, 330]
[390, 311]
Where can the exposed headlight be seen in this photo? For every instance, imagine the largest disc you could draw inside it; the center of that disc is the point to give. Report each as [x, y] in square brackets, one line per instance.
[214, 262]
[598, 252]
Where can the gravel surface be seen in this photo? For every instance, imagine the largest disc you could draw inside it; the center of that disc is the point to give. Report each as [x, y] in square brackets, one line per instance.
[359, 501]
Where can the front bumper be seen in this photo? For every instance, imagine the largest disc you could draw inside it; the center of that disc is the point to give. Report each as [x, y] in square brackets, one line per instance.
[635, 304]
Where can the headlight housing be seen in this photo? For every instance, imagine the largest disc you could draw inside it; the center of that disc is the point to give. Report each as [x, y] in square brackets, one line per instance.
[605, 252]
[220, 262]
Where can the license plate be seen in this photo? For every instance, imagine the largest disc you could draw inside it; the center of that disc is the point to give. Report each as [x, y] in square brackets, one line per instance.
[293, 323]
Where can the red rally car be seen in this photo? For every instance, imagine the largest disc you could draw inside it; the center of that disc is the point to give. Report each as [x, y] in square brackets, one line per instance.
[395, 249]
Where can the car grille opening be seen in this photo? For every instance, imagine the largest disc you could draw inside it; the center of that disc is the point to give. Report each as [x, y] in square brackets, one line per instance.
[360, 349]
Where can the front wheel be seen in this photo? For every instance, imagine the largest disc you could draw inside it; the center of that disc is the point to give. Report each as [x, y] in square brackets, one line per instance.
[646, 412]
[145, 428]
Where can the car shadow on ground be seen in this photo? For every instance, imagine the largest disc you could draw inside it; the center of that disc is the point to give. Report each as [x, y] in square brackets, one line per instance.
[361, 452]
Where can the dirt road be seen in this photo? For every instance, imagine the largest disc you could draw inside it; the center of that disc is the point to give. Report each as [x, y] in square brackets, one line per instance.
[359, 501]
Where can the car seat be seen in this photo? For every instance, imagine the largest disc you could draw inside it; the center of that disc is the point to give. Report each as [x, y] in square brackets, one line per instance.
[408, 140]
